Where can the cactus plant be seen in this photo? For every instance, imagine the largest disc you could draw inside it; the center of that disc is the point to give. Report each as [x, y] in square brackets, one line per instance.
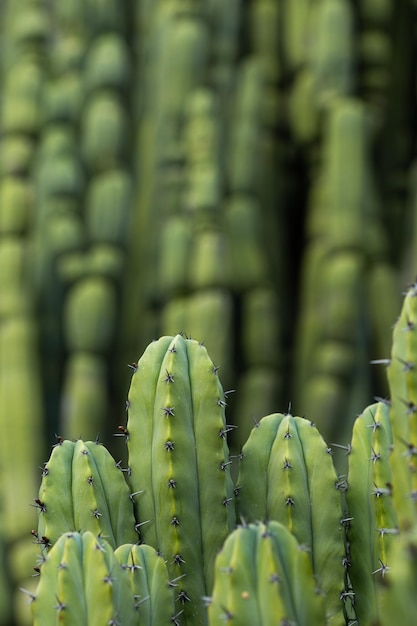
[179, 463]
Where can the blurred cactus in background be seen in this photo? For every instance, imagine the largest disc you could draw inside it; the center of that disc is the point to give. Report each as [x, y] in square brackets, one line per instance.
[242, 172]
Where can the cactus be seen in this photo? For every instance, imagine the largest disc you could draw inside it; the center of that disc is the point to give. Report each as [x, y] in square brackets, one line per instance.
[150, 584]
[287, 474]
[83, 489]
[372, 523]
[403, 417]
[264, 577]
[398, 589]
[83, 584]
[179, 463]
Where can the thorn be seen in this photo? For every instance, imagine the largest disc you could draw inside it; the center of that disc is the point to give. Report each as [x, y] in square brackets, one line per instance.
[348, 447]
[134, 366]
[182, 597]
[174, 581]
[223, 431]
[382, 400]
[175, 618]
[140, 602]
[169, 378]
[380, 362]
[32, 596]
[383, 569]
[135, 493]
[177, 559]
[140, 524]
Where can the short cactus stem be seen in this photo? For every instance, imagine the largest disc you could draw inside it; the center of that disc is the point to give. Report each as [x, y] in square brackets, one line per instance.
[287, 474]
[264, 577]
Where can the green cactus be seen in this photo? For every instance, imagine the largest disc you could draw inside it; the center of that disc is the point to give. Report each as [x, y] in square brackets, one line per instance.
[150, 584]
[179, 463]
[403, 415]
[83, 489]
[398, 589]
[83, 584]
[287, 474]
[264, 577]
[372, 523]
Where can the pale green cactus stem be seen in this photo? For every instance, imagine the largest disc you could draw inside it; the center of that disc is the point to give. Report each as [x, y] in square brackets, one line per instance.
[372, 521]
[83, 584]
[403, 411]
[397, 593]
[179, 464]
[287, 474]
[264, 577]
[153, 591]
[83, 489]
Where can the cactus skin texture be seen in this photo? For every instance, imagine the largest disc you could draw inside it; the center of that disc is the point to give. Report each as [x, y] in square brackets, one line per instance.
[178, 459]
[403, 411]
[372, 520]
[83, 584]
[287, 474]
[264, 577]
[83, 489]
[150, 584]
[399, 588]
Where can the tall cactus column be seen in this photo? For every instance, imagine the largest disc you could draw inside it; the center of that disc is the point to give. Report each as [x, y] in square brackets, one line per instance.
[179, 464]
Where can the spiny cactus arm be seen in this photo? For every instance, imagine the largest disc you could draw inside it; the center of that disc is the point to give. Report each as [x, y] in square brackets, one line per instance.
[82, 584]
[177, 508]
[178, 463]
[398, 588]
[82, 489]
[300, 492]
[56, 516]
[372, 520]
[152, 589]
[403, 414]
[262, 576]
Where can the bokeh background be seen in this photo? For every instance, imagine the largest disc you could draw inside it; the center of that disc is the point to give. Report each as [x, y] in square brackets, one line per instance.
[242, 171]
